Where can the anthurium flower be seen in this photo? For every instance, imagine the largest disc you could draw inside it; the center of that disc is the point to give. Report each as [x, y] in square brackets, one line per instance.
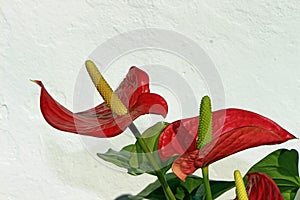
[100, 121]
[261, 187]
[234, 130]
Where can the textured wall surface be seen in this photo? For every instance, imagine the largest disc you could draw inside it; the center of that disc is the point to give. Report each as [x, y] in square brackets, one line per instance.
[255, 46]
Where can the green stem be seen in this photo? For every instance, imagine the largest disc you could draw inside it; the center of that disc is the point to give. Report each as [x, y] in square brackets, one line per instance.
[161, 177]
[206, 183]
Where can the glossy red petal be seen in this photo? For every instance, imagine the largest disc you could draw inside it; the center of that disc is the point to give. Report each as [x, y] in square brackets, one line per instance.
[135, 83]
[262, 187]
[233, 130]
[226, 144]
[237, 140]
[88, 123]
[100, 121]
[149, 103]
[176, 139]
[185, 164]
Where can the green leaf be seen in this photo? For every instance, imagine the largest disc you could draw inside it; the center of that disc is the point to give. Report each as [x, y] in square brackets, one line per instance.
[183, 190]
[205, 123]
[154, 190]
[282, 167]
[151, 137]
[217, 189]
[121, 159]
[132, 156]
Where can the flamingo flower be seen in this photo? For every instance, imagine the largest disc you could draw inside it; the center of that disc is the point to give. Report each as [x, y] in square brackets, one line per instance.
[261, 186]
[233, 130]
[101, 121]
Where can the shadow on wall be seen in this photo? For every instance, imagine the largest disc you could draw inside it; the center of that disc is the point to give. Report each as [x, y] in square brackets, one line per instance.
[79, 169]
[123, 197]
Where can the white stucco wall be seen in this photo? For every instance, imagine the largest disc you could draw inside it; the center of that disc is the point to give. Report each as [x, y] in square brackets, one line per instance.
[254, 45]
